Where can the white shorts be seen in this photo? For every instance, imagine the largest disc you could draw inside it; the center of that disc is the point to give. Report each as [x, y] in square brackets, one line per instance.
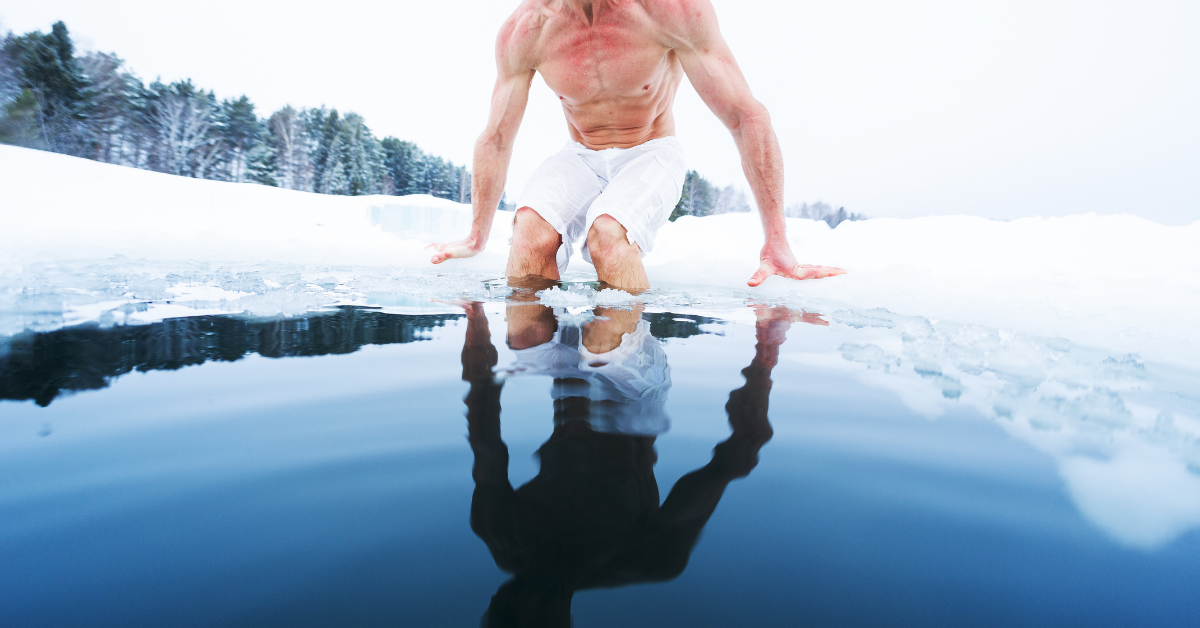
[637, 186]
[626, 388]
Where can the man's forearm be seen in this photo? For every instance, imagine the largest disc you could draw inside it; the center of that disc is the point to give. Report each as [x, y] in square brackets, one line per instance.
[762, 162]
[487, 184]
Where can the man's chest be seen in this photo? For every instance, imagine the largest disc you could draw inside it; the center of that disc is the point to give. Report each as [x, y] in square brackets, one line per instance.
[604, 61]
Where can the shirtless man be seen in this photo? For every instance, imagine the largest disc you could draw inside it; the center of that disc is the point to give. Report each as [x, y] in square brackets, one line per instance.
[616, 66]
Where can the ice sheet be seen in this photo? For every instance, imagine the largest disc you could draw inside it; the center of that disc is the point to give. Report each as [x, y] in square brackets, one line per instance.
[1124, 434]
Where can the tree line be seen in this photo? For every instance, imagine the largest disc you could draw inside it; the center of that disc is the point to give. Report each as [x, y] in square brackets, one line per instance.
[702, 198]
[91, 106]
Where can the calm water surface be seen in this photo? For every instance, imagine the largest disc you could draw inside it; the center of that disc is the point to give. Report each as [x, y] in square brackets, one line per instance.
[514, 464]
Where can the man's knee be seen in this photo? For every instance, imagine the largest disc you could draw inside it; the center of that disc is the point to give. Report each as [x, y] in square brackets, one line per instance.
[608, 239]
[531, 232]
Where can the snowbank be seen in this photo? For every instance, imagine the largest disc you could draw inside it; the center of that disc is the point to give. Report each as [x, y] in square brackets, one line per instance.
[56, 207]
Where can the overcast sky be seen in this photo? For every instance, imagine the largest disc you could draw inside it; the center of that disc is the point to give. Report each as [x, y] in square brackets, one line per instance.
[887, 107]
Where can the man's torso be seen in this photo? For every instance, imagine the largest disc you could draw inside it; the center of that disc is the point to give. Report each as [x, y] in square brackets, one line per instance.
[615, 76]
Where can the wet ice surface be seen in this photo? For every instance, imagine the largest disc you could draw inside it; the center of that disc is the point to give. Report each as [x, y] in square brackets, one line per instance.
[312, 470]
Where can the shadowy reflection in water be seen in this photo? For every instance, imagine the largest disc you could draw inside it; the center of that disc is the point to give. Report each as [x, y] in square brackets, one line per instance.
[42, 366]
[591, 517]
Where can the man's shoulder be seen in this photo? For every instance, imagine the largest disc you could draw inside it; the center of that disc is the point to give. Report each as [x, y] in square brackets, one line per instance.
[519, 35]
[678, 10]
[682, 19]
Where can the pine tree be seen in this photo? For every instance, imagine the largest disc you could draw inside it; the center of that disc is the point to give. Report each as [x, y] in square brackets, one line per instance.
[262, 163]
[698, 199]
[48, 69]
[112, 93]
[398, 157]
[239, 131]
[332, 170]
[363, 157]
[10, 82]
[822, 211]
[19, 123]
[92, 107]
[19, 109]
[418, 173]
[324, 128]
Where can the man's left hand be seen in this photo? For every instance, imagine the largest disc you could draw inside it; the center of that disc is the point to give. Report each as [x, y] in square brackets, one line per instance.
[781, 262]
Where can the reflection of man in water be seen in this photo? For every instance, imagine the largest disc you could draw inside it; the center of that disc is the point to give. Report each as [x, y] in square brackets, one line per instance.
[591, 517]
[616, 66]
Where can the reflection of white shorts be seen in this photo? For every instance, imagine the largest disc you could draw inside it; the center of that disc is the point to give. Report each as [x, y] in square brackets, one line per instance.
[626, 388]
[638, 186]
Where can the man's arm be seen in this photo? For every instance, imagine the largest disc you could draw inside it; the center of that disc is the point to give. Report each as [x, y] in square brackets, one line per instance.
[493, 149]
[674, 529]
[691, 26]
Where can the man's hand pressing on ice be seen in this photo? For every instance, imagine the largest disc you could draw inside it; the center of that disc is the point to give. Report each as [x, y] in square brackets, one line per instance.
[467, 247]
[778, 260]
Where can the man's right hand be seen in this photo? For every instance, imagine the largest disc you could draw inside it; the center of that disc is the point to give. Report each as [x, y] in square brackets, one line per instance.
[467, 247]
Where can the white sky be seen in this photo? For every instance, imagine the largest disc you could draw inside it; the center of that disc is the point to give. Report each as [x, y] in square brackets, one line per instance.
[888, 107]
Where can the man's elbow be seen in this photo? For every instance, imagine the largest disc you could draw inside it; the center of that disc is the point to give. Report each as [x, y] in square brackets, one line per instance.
[751, 115]
[493, 141]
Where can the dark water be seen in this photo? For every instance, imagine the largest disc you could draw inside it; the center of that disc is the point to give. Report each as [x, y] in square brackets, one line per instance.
[614, 467]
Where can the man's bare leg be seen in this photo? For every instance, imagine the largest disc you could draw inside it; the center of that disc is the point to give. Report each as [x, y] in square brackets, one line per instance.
[618, 261]
[534, 247]
[603, 333]
[529, 325]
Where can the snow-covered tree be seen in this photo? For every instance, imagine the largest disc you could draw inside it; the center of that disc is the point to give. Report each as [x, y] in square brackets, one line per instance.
[19, 109]
[730, 199]
[284, 158]
[112, 93]
[10, 82]
[403, 164]
[698, 198]
[363, 157]
[464, 185]
[49, 70]
[238, 130]
[91, 106]
[180, 115]
[822, 211]
[347, 158]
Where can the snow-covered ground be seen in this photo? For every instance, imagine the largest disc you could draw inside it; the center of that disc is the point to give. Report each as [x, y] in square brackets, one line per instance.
[1115, 282]
[1080, 335]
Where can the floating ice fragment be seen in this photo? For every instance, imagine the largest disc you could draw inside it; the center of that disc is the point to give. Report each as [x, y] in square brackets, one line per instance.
[557, 297]
[609, 296]
[576, 295]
